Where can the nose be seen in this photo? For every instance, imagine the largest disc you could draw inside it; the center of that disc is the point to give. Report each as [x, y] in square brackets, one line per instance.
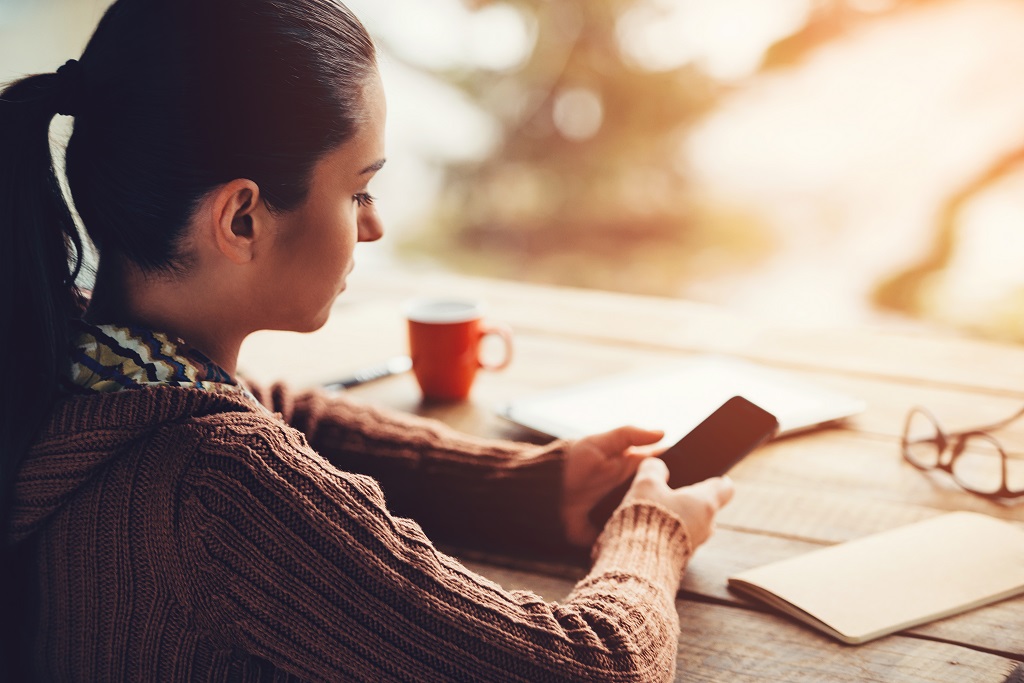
[371, 228]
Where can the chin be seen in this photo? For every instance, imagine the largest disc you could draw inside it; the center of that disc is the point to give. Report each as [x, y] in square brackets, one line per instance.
[319, 322]
[312, 324]
[320, 319]
[314, 320]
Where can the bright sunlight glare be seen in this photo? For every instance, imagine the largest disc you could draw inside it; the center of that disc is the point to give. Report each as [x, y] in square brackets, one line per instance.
[850, 156]
[727, 38]
[445, 35]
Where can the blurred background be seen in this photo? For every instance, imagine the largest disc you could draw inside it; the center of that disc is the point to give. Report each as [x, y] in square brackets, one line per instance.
[816, 161]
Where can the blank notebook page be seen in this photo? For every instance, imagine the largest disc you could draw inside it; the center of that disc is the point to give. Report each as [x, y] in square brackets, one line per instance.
[899, 578]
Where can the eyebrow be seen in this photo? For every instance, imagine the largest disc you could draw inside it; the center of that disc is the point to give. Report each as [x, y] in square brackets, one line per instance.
[374, 167]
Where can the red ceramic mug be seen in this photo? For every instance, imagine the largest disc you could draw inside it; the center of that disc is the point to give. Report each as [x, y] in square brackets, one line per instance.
[445, 336]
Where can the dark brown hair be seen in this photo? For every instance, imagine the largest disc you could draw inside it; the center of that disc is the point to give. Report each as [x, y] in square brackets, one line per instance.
[171, 98]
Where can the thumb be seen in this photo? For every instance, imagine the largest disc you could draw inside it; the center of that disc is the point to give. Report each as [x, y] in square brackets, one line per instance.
[717, 490]
[653, 469]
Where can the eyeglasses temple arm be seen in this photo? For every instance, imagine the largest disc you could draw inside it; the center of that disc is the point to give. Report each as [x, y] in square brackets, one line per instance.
[1001, 423]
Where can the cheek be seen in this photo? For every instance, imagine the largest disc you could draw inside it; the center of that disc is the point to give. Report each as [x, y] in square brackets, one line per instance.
[325, 239]
[332, 252]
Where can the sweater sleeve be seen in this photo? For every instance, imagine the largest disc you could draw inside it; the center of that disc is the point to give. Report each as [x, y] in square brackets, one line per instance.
[484, 493]
[294, 562]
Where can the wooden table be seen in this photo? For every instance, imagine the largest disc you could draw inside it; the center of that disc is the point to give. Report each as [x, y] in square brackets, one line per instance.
[792, 496]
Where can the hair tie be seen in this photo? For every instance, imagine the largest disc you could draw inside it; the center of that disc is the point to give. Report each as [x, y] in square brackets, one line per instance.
[70, 80]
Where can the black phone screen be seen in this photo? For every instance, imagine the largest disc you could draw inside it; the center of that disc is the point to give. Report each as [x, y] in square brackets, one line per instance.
[709, 450]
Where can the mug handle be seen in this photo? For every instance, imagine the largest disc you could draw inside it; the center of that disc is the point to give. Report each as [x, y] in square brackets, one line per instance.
[506, 336]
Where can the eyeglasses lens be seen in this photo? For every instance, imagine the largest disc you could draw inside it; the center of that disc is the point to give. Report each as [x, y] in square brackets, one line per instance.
[922, 442]
[1015, 472]
[979, 467]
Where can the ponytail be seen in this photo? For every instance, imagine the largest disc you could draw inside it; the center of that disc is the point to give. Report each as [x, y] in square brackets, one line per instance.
[39, 261]
[40, 256]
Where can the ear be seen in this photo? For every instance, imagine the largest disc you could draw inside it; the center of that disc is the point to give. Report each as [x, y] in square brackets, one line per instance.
[238, 224]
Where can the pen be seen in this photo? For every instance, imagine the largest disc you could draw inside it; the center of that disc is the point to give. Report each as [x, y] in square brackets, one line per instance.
[393, 366]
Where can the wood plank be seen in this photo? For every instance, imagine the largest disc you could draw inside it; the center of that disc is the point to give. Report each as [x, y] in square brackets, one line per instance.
[841, 469]
[782, 508]
[719, 644]
[825, 487]
[997, 628]
[814, 516]
[934, 358]
[365, 334]
[729, 643]
[789, 514]
[795, 495]
[545, 363]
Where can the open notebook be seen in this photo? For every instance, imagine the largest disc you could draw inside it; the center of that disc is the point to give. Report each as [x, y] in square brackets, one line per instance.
[897, 579]
[676, 398]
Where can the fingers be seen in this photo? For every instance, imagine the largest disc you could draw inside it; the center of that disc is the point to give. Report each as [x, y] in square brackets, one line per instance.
[726, 490]
[644, 451]
[718, 490]
[618, 440]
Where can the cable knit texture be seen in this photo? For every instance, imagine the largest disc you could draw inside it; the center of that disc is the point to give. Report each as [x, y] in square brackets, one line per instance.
[179, 535]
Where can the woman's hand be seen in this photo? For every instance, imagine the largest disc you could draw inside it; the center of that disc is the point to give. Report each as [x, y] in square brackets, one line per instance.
[597, 464]
[594, 465]
[696, 505]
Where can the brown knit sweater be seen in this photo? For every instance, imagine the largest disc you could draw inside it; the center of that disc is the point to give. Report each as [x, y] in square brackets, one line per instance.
[179, 535]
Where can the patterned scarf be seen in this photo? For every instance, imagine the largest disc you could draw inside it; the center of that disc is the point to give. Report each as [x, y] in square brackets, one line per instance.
[107, 358]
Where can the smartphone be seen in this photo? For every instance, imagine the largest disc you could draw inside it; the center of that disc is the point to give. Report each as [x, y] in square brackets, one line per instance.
[709, 450]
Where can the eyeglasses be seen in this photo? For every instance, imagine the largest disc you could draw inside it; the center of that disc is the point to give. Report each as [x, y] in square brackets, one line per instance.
[974, 458]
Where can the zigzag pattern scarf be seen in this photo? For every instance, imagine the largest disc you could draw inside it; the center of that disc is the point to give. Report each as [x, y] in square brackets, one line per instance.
[106, 358]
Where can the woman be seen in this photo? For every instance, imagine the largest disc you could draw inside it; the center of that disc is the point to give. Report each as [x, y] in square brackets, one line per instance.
[165, 521]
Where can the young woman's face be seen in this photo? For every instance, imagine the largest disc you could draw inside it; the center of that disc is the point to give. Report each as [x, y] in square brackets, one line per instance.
[314, 244]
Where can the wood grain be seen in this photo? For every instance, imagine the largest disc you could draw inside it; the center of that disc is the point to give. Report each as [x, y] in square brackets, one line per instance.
[792, 496]
[730, 643]
[994, 628]
[925, 356]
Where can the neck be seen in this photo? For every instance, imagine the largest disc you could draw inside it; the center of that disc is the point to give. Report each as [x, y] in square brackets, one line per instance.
[127, 296]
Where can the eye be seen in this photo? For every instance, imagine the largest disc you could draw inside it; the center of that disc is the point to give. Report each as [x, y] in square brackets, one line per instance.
[363, 199]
